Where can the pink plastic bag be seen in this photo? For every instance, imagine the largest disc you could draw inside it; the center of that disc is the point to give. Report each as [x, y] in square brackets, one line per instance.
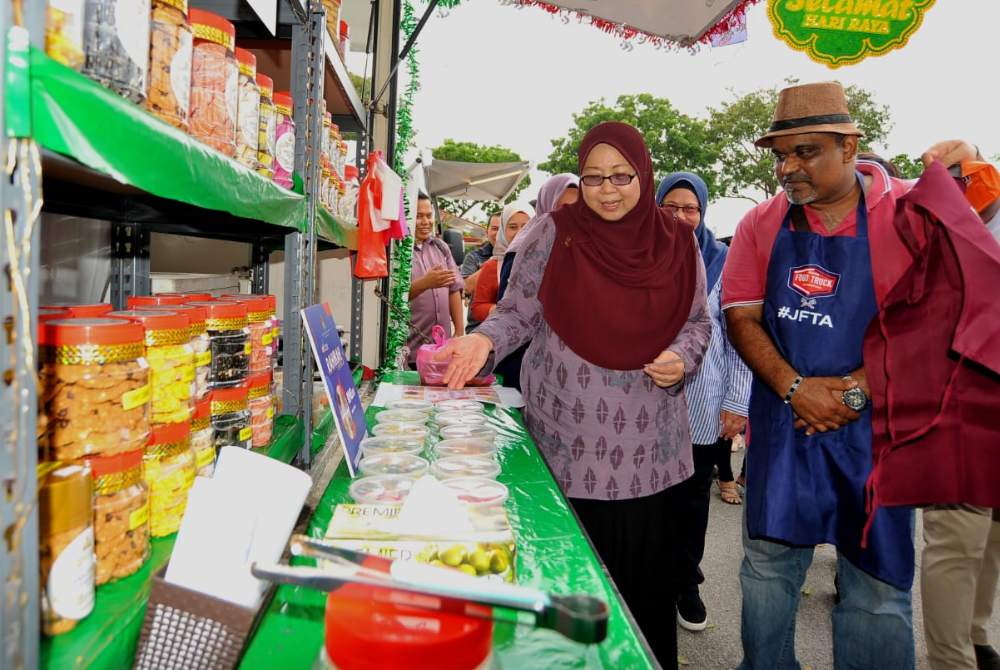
[432, 372]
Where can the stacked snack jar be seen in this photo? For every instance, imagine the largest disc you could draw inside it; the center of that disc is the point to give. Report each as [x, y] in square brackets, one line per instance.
[65, 545]
[228, 342]
[116, 46]
[259, 320]
[186, 297]
[168, 468]
[248, 110]
[94, 385]
[261, 409]
[324, 189]
[325, 138]
[64, 32]
[199, 343]
[121, 515]
[231, 418]
[203, 439]
[269, 339]
[214, 81]
[80, 311]
[267, 127]
[342, 164]
[169, 93]
[161, 300]
[171, 362]
[334, 147]
[284, 145]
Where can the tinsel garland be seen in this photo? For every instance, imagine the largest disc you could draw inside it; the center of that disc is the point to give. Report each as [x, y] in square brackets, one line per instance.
[402, 250]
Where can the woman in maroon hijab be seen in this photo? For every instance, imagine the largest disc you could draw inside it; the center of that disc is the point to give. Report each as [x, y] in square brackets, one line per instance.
[612, 297]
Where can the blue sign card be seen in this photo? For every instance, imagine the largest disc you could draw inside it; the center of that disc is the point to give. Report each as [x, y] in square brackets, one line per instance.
[338, 381]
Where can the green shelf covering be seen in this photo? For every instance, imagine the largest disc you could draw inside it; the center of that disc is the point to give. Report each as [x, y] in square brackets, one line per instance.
[78, 118]
[322, 431]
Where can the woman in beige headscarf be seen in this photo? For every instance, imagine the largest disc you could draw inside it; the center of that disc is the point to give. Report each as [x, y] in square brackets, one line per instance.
[512, 219]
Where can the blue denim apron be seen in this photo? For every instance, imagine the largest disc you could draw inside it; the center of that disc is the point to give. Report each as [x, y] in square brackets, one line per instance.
[803, 490]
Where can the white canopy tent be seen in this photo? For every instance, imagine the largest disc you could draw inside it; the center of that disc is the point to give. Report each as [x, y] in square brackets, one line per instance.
[473, 181]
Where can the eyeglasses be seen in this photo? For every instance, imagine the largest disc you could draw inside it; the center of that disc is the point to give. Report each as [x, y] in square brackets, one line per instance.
[689, 210]
[617, 179]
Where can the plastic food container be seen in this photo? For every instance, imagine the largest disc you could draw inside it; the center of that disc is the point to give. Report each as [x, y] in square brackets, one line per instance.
[171, 363]
[412, 430]
[144, 301]
[82, 311]
[231, 418]
[460, 406]
[465, 447]
[64, 32]
[261, 409]
[261, 327]
[116, 46]
[247, 110]
[188, 297]
[382, 490]
[214, 81]
[169, 95]
[272, 311]
[94, 386]
[401, 416]
[121, 515]
[462, 430]
[284, 139]
[203, 439]
[267, 130]
[478, 491]
[168, 467]
[65, 545]
[229, 342]
[415, 405]
[391, 445]
[461, 418]
[199, 343]
[47, 313]
[465, 466]
[409, 465]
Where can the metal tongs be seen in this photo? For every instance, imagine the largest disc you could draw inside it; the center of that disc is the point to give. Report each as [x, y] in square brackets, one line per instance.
[582, 618]
[425, 338]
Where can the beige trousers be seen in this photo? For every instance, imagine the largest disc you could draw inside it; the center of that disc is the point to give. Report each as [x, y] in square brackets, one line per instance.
[958, 580]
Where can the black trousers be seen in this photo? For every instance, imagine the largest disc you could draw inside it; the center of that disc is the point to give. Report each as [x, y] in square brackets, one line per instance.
[634, 538]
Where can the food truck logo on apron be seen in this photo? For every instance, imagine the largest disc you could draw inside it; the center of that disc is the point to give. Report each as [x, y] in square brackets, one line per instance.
[810, 282]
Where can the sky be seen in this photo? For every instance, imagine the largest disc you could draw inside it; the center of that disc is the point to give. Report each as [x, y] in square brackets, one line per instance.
[493, 73]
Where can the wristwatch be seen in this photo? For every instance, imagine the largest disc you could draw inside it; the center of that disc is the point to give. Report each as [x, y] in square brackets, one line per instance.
[855, 398]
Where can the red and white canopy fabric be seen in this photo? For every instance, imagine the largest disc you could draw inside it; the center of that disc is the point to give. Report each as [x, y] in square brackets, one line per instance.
[664, 22]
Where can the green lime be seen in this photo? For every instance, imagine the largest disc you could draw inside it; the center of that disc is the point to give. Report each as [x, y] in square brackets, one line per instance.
[453, 556]
[467, 569]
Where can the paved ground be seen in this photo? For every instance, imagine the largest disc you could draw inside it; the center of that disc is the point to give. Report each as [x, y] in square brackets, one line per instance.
[718, 647]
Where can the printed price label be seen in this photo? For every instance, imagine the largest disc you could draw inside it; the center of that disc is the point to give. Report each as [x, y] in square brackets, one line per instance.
[138, 517]
[135, 398]
[204, 457]
[247, 349]
[246, 434]
[203, 359]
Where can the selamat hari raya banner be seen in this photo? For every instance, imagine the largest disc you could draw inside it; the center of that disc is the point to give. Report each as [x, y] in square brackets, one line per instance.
[845, 32]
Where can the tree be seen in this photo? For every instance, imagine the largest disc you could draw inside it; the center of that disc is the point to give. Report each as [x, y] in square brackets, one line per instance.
[909, 168]
[745, 170]
[676, 141]
[469, 152]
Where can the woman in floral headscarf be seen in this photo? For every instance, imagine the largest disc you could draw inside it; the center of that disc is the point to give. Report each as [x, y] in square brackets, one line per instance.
[611, 292]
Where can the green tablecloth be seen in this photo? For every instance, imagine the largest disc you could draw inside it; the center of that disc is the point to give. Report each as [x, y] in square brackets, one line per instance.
[553, 555]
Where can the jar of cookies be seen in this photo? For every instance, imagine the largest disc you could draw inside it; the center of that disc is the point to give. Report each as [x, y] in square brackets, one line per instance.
[188, 297]
[247, 110]
[284, 139]
[261, 409]
[65, 545]
[203, 439]
[269, 339]
[121, 515]
[50, 313]
[171, 39]
[259, 323]
[199, 343]
[116, 46]
[159, 300]
[231, 418]
[171, 362]
[229, 342]
[81, 311]
[214, 81]
[94, 385]
[266, 136]
[168, 467]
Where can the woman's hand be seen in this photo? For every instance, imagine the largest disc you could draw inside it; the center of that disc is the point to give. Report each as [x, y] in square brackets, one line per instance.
[950, 152]
[666, 370]
[466, 356]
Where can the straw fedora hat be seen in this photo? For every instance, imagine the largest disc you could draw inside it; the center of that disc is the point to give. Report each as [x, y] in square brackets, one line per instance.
[810, 108]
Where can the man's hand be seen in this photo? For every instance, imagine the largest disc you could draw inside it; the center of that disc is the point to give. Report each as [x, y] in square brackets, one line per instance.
[950, 152]
[730, 424]
[666, 370]
[818, 405]
[466, 356]
[437, 277]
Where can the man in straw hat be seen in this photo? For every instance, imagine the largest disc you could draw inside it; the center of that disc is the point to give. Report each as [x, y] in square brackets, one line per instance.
[805, 275]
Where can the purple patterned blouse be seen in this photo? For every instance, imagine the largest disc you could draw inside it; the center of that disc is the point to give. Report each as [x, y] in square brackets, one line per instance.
[606, 434]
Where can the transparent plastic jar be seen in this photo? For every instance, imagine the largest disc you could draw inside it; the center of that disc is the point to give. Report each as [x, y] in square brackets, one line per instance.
[266, 135]
[171, 363]
[171, 43]
[271, 339]
[64, 32]
[381, 490]
[465, 466]
[327, 125]
[465, 447]
[460, 418]
[229, 342]
[65, 545]
[81, 311]
[214, 81]
[460, 406]
[412, 430]
[231, 418]
[203, 439]
[401, 416]
[261, 409]
[168, 468]
[121, 515]
[48, 314]
[391, 445]
[284, 140]
[411, 403]
[484, 433]
[409, 465]
[324, 190]
[199, 344]
[259, 323]
[334, 151]
[116, 46]
[95, 387]
[247, 110]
